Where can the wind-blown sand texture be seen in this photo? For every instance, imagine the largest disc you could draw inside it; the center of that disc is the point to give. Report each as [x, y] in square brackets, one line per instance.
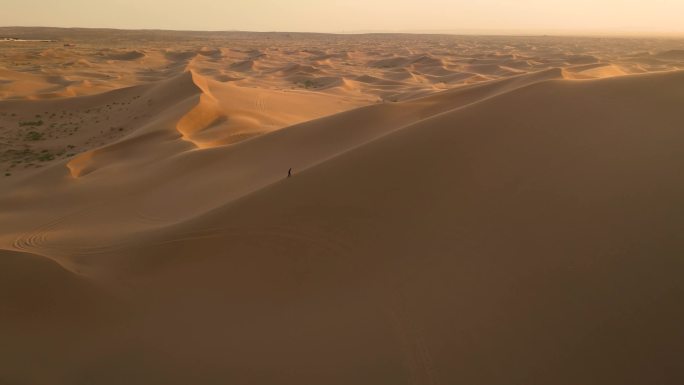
[463, 210]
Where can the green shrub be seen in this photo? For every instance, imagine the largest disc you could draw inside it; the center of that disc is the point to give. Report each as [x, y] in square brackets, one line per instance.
[35, 123]
[46, 157]
[34, 136]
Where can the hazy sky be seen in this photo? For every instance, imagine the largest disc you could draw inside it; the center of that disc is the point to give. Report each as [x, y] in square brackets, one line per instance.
[478, 16]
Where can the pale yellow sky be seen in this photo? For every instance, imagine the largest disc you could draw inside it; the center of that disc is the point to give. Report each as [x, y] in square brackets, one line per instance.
[470, 16]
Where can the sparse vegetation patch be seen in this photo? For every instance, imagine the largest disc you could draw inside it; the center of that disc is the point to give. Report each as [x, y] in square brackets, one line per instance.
[32, 123]
[34, 136]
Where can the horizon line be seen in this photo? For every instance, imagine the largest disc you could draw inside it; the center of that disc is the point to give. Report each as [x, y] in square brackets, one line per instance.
[465, 32]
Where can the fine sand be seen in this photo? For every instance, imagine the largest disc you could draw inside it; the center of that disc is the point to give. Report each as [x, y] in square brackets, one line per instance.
[463, 210]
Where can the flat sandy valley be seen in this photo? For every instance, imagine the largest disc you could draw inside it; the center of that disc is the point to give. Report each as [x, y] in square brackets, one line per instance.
[461, 210]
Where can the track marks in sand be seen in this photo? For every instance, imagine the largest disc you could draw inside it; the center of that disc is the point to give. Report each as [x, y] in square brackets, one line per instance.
[36, 240]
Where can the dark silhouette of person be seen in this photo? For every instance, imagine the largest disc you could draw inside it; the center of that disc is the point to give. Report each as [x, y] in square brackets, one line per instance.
[289, 172]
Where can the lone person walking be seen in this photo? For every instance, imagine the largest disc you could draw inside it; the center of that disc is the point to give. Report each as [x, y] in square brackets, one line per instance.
[289, 172]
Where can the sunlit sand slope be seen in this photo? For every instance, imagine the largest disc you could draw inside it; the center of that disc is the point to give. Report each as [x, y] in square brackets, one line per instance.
[522, 230]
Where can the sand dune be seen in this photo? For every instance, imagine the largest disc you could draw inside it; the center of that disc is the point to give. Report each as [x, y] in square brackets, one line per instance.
[675, 54]
[127, 55]
[467, 241]
[499, 216]
[275, 61]
[160, 139]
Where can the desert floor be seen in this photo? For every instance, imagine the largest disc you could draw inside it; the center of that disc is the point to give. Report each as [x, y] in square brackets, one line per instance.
[462, 210]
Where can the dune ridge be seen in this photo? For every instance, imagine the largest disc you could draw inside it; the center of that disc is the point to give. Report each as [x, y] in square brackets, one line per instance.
[156, 146]
[520, 225]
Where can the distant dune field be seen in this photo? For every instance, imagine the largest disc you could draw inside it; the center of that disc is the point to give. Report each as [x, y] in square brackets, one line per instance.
[462, 210]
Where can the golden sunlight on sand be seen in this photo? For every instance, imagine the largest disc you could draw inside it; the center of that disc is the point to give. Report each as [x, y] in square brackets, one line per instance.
[462, 210]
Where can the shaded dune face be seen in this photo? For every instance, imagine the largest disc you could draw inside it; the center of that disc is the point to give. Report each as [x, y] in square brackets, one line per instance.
[520, 225]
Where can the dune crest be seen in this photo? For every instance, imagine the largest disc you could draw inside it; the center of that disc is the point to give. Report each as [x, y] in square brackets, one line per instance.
[318, 209]
[173, 98]
[206, 114]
